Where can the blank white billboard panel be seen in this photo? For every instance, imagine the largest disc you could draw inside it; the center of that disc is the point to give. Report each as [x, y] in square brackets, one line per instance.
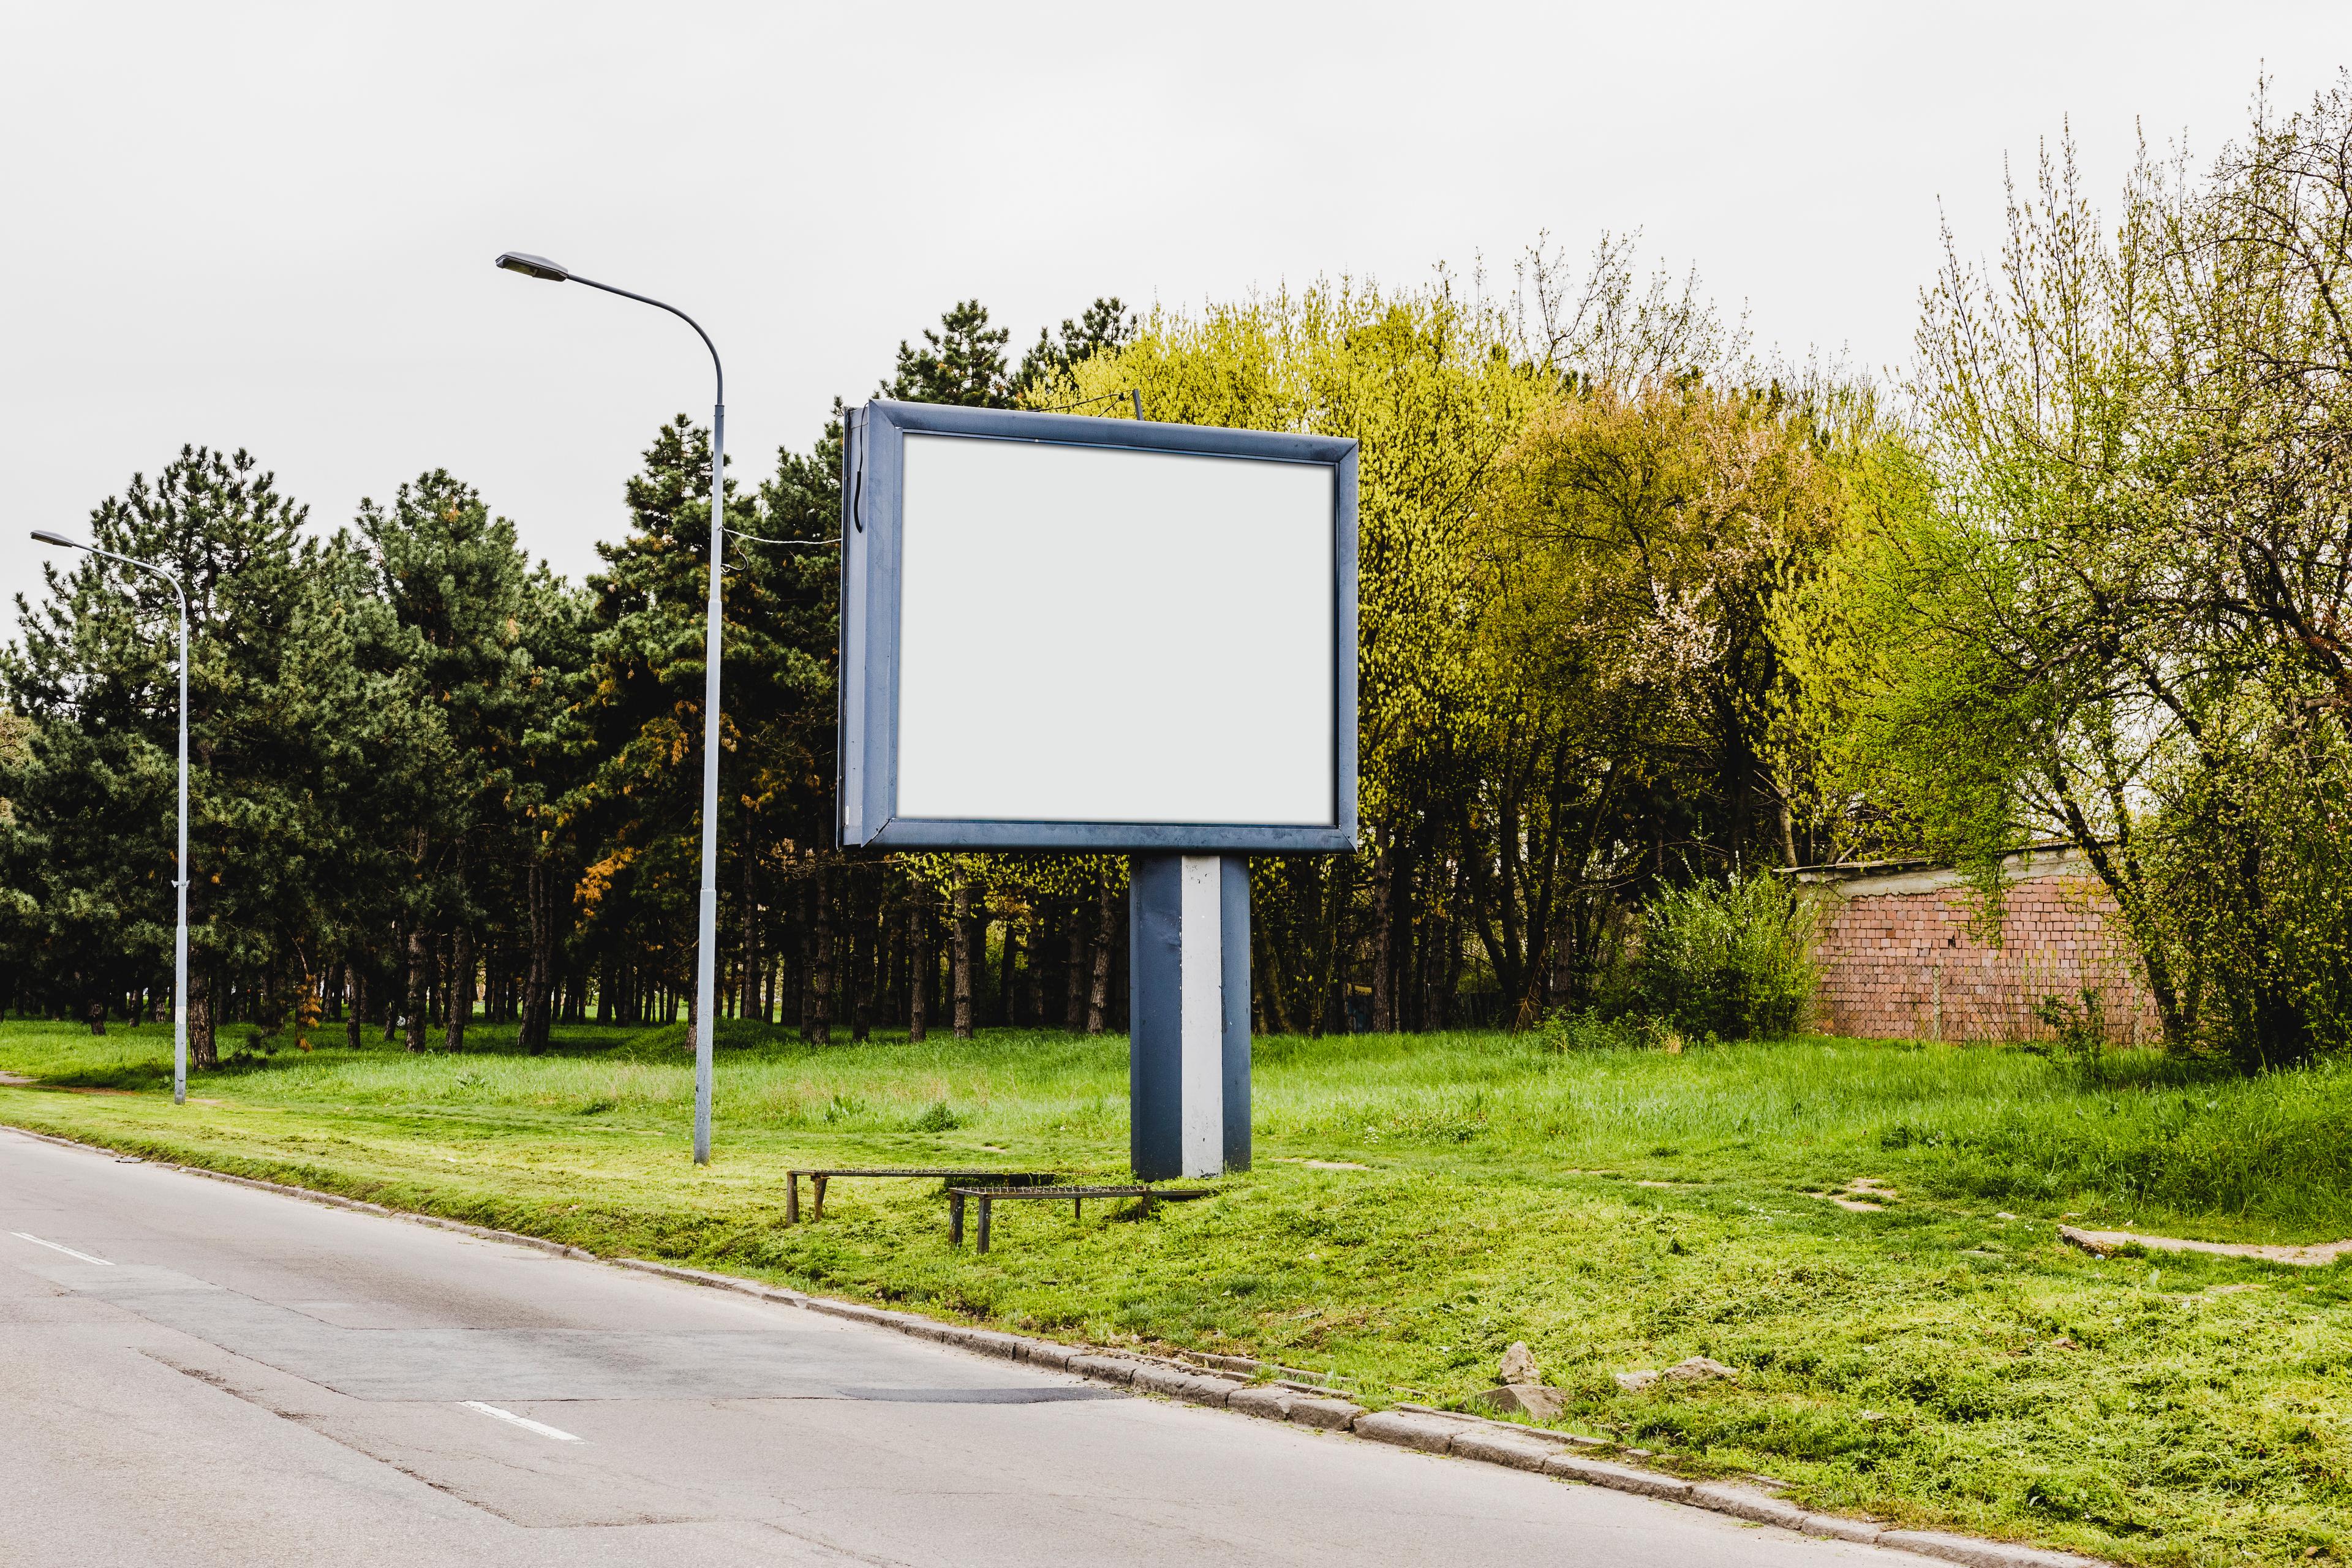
[1097, 633]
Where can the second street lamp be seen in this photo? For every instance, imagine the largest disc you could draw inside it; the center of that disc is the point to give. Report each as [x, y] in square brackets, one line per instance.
[180, 934]
[706, 961]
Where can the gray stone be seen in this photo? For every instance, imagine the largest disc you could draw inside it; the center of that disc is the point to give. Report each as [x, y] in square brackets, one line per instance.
[1501, 1448]
[1741, 1503]
[1616, 1477]
[1519, 1365]
[1696, 1369]
[1107, 1369]
[1261, 1399]
[1155, 1378]
[1044, 1352]
[1979, 1554]
[1525, 1399]
[1216, 1391]
[1835, 1529]
[1331, 1414]
[1425, 1432]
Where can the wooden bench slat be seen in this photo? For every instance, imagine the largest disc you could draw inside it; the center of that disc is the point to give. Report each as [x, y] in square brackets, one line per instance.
[988, 1196]
[818, 1178]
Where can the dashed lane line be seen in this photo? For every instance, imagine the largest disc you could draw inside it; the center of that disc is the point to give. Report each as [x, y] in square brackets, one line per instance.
[525, 1422]
[53, 1247]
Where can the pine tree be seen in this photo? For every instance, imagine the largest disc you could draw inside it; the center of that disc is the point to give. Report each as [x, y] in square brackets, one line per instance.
[1107, 325]
[962, 362]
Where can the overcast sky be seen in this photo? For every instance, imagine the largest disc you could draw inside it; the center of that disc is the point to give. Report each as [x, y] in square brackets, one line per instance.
[271, 226]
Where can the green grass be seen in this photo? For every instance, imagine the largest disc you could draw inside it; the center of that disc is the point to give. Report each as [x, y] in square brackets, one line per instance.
[1613, 1209]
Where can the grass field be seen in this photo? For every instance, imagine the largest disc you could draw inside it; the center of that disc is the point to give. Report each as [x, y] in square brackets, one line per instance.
[1936, 1362]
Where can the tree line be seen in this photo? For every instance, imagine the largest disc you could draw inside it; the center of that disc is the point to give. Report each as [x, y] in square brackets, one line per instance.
[1641, 613]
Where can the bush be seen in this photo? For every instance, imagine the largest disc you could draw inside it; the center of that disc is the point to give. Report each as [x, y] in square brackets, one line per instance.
[1732, 960]
[1587, 1030]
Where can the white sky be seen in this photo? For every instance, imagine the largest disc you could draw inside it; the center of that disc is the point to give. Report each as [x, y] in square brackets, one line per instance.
[272, 226]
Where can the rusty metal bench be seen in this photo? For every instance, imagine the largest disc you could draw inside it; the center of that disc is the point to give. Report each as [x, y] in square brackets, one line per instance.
[1077, 1196]
[817, 1180]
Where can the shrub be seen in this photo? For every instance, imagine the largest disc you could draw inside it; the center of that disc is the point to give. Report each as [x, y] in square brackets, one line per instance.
[1587, 1030]
[937, 1119]
[1732, 959]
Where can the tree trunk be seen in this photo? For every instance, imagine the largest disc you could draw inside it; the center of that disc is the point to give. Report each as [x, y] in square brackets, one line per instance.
[919, 968]
[1384, 935]
[821, 978]
[97, 1016]
[354, 1001]
[420, 959]
[749, 965]
[961, 915]
[539, 978]
[1269, 980]
[204, 1050]
[1098, 992]
[460, 989]
[1073, 1006]
[863, 953]
[1008, 996]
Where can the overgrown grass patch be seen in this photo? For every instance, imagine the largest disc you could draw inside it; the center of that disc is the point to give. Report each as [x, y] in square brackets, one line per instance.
[1932, 1363]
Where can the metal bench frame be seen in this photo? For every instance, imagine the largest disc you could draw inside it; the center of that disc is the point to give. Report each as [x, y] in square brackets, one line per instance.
[1077, 1196]
[817, 1180]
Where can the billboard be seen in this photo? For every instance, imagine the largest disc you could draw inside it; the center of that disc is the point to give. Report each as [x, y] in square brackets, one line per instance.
[1069, 633]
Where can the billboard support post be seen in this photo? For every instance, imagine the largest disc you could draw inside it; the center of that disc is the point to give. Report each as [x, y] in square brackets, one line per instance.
[1188, 1015]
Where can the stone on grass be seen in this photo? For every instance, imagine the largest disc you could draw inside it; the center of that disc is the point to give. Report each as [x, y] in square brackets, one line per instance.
[1519, 1365]
[1530, 1399]
[1698, 1369]
[1695, 1369]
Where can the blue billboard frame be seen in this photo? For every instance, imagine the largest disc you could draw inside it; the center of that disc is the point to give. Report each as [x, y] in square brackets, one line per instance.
[872, 502]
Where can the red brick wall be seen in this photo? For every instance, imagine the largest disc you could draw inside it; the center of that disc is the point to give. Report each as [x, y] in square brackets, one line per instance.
[1899, 964]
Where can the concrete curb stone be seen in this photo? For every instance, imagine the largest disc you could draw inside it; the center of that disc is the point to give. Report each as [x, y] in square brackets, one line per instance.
[1406, 1431]
[1263, 1400]
[1980, 1554]
[1106, 1369]
[1495, 1449]
[1155, 1378]
[1520, 1429]
[1741, 1503]
[1834, 1528]
[1617, 1477]
[1326, 1414]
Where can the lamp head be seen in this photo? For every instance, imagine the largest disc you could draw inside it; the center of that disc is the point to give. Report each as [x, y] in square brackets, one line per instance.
[534, 266]
[43, 536]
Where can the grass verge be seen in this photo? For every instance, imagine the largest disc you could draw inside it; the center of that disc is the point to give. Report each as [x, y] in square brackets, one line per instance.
[1933, 1364]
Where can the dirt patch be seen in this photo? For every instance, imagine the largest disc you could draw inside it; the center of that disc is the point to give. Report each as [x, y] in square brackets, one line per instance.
[2107, 1243]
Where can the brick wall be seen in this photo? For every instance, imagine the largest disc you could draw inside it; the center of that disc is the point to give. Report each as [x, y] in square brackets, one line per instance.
[1895, 960]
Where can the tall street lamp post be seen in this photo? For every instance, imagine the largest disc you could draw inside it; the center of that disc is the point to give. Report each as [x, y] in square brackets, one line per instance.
[706, 963]
[180, 937]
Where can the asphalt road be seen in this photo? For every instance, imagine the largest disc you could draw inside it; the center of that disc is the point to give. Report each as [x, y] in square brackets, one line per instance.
[193, 1373]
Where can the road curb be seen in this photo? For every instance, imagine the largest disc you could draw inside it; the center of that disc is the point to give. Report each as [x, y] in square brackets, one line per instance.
[1474, 1439]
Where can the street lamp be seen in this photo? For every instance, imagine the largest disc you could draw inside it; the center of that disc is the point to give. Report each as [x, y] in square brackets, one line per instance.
[706, 963]
[180, 938]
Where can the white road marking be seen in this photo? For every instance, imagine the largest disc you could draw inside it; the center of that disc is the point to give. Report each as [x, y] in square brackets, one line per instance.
[525, 1422]
[53, 1247]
